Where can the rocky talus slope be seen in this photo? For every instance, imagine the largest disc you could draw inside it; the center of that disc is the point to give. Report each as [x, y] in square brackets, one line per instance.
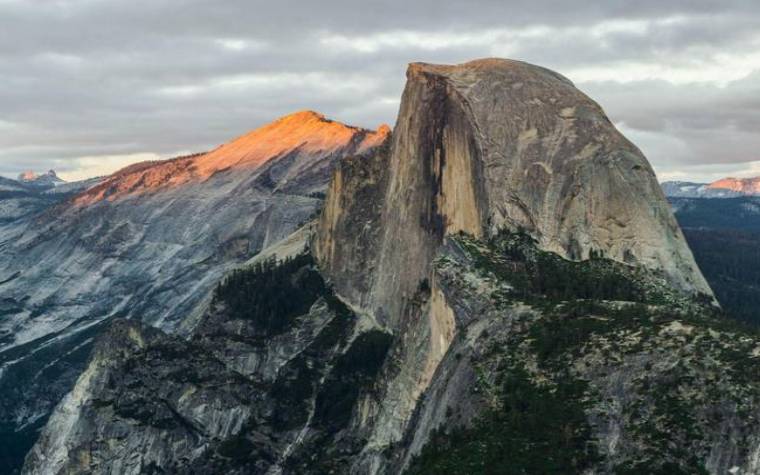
[501, 288]
[149, 243]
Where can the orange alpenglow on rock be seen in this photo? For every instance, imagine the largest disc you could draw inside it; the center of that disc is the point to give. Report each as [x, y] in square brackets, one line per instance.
[748, 186]
[305, 133]
[28, 176]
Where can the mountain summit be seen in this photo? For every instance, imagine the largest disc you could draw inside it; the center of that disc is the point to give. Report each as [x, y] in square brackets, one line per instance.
[30, 175]
[46, 180]
[498, 144]
[744, 186]
[723, 188]
[305, 132]
[303, 138]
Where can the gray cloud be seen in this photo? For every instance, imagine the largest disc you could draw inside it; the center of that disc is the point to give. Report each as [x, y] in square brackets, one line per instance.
[98, 78]
[689, 127]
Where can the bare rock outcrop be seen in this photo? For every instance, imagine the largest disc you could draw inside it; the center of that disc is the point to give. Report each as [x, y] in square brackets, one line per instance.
[494, 144]
[480, 147]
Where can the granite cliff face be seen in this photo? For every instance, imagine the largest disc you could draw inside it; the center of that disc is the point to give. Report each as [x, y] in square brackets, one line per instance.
[479, 147]
[499, 285]
[497, 144]
[148, 242]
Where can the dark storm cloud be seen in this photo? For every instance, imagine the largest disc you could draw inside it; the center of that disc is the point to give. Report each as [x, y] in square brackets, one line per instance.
[86, 79]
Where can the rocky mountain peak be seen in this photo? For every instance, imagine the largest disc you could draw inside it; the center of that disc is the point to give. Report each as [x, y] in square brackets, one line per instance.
[307, 132]
[498, 144]
[724, 188]
[48, 178]
[28, 175]
[544, 157]
[744, 186]
[305, 136]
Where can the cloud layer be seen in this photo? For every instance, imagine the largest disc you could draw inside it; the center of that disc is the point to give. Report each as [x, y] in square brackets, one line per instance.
[88, 86]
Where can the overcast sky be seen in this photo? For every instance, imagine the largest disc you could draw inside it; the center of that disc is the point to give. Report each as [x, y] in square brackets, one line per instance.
[89, 86]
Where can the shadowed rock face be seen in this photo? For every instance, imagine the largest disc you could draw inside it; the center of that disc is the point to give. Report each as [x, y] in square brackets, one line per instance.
[46, 180]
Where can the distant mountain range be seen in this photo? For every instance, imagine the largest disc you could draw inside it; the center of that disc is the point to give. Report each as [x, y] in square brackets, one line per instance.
[30, 180]
[32, 193]
[723, 188]
[45, 180]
